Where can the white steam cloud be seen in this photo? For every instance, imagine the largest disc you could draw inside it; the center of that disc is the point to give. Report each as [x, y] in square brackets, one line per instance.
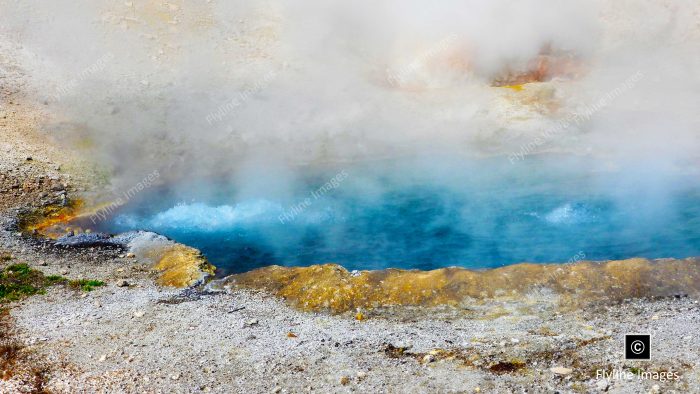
[249, 89]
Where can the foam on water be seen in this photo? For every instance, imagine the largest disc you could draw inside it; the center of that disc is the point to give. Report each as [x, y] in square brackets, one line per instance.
[569, 213]
[200, 217]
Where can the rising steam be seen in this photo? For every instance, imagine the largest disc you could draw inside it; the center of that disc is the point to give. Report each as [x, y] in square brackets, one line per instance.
[248, 89]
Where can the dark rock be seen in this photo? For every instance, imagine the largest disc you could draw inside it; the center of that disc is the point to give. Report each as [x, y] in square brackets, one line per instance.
[85, 240]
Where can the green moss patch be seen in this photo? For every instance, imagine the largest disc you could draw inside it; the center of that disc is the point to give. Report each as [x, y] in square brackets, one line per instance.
[18, 281]
[85, 284]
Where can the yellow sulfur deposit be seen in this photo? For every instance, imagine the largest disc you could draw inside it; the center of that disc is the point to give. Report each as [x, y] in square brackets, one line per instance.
[331, 287]
[517, 88]
[180, 266]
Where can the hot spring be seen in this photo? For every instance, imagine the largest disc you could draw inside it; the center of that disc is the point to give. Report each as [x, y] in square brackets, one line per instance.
[430, 212]
[378, 135]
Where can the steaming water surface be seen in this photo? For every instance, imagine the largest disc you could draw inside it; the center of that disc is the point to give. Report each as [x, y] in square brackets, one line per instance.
[431, 213]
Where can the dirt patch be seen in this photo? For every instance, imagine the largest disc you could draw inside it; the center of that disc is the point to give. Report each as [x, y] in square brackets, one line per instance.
[17, 364]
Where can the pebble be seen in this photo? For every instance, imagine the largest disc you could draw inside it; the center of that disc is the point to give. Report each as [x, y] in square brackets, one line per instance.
[561, 370]
[428, 358]
[252, 322]
[123, 284]
[103, 358]
[139, 313]
[361, 375]
[602, 385]
[175, 376]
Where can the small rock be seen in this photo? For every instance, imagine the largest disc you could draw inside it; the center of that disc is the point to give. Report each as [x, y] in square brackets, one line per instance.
[361, 375]
[103, 358]
[655, 317]
[252, 322]
[291, 335]
[139, 313]
[561, 370]
[655, 388]
[130, 255]
[29, 158]
[602, 385]
[344, 380]
[428, 358]
[123, 284]
[515, 340]
[175, 376]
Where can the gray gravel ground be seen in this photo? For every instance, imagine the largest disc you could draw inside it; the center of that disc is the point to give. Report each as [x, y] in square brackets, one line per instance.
[148, 339]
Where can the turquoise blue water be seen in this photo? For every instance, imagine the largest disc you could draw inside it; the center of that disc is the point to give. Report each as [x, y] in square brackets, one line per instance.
[429, 213]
